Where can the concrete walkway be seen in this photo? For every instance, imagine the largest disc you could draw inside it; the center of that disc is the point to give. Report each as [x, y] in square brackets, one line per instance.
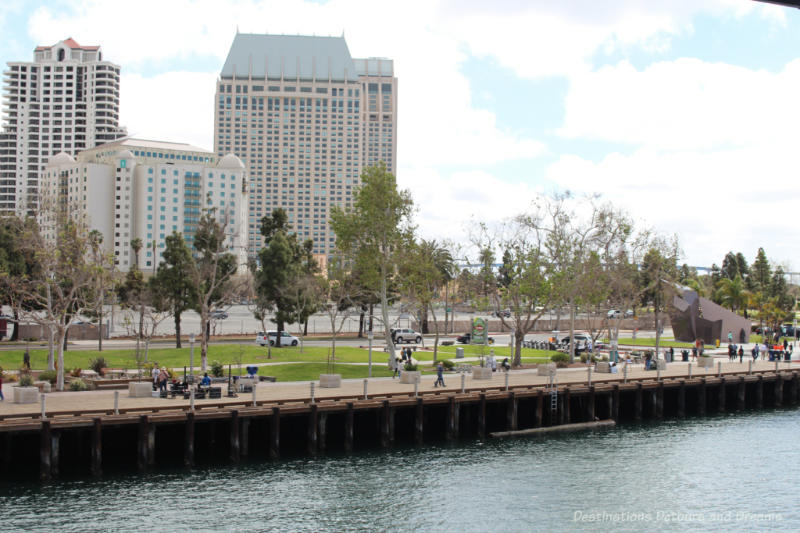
[300, 391]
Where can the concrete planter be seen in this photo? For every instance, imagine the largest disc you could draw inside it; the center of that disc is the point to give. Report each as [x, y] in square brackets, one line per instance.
[660, 364]
[330, 381]
[410, 377]
[481, 372]
[26, 395]
[140, 389]
[704, 361]
[43, 386]
[547, 369]
[602, 368]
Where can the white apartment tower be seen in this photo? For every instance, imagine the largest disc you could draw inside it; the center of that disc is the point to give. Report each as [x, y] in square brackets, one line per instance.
[137, 188]
[305, 118]
[66, 100]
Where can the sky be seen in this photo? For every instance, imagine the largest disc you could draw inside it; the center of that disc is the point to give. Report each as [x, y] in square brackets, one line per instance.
[684, 113]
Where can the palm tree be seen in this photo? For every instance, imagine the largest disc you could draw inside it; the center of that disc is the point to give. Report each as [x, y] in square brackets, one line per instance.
[732, 293]
[136, 245]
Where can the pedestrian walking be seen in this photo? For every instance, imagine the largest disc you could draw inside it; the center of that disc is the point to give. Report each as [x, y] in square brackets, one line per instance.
[741, 353]
[730, 337]
[785, 344]
[439, 375]
[155, 373]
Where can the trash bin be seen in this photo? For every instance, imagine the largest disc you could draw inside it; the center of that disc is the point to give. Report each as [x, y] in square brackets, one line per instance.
[685, 355]
[459, 353]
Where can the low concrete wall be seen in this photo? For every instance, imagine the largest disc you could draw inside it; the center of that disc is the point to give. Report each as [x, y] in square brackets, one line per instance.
[78, 332]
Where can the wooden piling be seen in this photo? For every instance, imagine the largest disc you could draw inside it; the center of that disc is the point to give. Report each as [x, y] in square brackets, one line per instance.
[275, 433]
[349, 420]
[482, 416]
[590, 408]
[385, 424]
[313, 430]
[615, 403]
[97, 447]
[539, 409]
[638, 404]
[419, 415]
[143, 448]
[234, 436]
[323, 432]
[741, 390]
[511, 412]
[653, 404]
[793, 389]
[55, 452]
[188, 440]
[660, 400]
[721, 395]
[778, 396]
[682, 399]
[760, 392]
[244, 439]
[567, 401]
[45, 452]
[701, 397]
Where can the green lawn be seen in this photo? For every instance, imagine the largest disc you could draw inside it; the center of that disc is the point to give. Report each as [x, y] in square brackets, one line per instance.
[652, 342]
[311, 371]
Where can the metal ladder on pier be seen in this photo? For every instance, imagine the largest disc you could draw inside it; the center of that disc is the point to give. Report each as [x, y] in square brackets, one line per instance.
[553, 390]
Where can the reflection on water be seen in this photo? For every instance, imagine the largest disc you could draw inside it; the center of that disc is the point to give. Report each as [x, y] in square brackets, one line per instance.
[714, 474]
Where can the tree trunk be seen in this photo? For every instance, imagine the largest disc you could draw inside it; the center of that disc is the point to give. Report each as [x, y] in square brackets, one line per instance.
[305, 329]
[141, 325]
[62, 332]
[519, 336]
[571, 332]
[177, 330]
[371, 315]
[205, 324]
[15, 335]
[361, 324]
[558, 319]
[387, 334]
[424, 319]
[51, 362]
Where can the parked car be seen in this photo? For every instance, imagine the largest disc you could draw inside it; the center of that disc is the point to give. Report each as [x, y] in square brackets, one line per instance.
[505, 313]
[616, 313]
[466, 338]
[787, 330]
[401, 335]
[581, 338]
[271, 337]
[219, 314]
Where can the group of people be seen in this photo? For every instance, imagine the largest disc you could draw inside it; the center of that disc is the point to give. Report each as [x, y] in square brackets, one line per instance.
[160, 378]
[773, 352]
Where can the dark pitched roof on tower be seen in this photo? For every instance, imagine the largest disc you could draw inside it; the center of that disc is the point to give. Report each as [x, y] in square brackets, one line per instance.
[290, 57]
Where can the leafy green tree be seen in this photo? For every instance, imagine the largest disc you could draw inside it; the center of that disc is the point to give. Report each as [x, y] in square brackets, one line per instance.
[733, 294]
[211, 273]
[173, 279]
[285, 266]
[376, 232]
[16, 262]
[656, 279]
[761, 272]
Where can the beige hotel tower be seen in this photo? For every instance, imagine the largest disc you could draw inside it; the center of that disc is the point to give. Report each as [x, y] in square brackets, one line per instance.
[305, 118]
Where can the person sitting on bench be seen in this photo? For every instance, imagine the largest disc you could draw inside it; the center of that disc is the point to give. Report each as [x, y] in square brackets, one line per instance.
[206, 381]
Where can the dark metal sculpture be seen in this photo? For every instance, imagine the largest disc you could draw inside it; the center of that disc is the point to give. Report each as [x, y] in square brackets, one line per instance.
[693, 318]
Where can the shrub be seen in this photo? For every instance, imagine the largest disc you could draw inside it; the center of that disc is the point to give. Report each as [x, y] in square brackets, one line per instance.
[77, 385]
[448, 364]
[75, 372]
[560, 358]
[216, 369]
[26, 381]
[410, 367]
[584, 358]
[49, 375]
[99, 365]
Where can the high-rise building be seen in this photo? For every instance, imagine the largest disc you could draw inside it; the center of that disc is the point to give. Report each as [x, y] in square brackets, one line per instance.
[306, 118]
[135, 188]
[66, 100]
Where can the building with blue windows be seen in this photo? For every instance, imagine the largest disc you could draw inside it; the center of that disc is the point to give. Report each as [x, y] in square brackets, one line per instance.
[135, 188]
[305, 117]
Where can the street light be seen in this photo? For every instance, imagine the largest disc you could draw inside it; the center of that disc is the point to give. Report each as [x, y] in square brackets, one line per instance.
[369, 336]
[191, 353]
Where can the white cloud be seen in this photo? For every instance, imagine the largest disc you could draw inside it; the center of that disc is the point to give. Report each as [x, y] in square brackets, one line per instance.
[715, 201]
[174, 107]
[683, 104]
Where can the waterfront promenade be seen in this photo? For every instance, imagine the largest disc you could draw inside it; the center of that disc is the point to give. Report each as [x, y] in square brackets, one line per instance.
[65, 403]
